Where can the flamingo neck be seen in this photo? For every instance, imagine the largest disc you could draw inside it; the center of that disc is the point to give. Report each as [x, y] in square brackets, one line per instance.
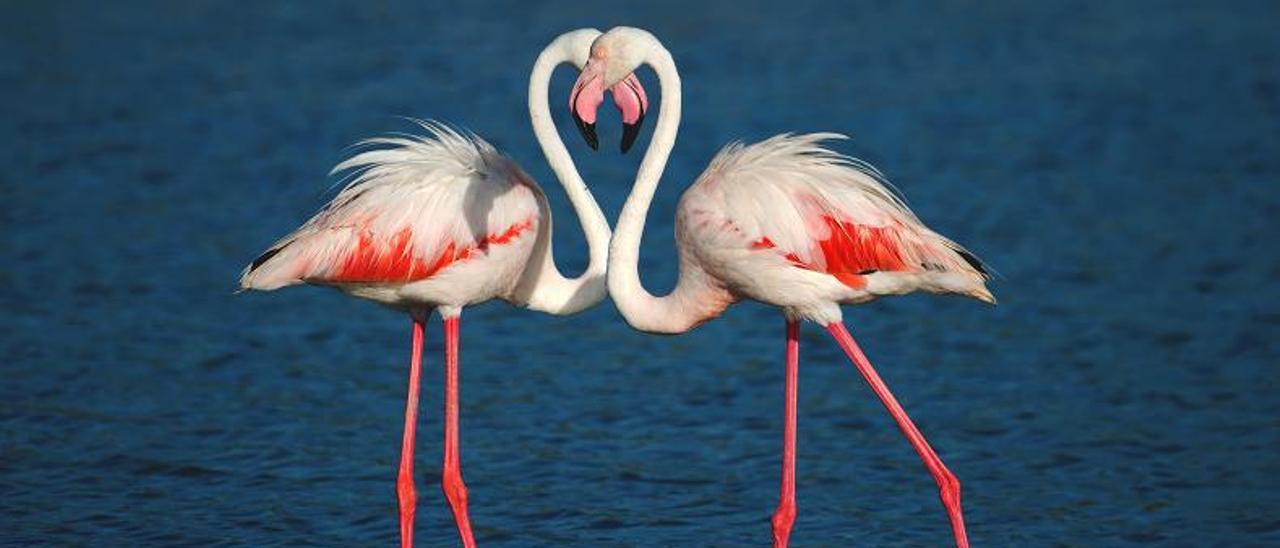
[695, 298]
[545, 288]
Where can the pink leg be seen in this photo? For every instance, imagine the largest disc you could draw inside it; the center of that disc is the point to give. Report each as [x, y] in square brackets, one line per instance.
[785, 515]
[405, 493]
[948, 485]
[451, 481]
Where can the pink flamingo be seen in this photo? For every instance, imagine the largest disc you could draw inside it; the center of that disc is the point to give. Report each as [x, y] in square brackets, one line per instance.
[785, 222]
[438, 223]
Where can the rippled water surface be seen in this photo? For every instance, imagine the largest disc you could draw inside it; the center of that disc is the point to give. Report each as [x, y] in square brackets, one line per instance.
[1116, 162]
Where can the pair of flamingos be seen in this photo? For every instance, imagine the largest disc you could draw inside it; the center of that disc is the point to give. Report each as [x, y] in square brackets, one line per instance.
[441, 222]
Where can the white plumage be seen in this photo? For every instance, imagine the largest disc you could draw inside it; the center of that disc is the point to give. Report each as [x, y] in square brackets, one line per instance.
[763, 214]
[417, 209]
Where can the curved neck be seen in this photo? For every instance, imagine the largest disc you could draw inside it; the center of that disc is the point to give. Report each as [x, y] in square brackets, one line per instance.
[694, 299]
[546, 289]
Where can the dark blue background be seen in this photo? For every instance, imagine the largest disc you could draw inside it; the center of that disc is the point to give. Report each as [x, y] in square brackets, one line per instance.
[1116, 162]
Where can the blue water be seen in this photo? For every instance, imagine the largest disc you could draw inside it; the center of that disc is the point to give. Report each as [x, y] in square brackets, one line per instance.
[1116, 162]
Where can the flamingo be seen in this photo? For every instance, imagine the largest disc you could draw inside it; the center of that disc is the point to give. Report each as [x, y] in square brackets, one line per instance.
[784, 221]
[439, 222]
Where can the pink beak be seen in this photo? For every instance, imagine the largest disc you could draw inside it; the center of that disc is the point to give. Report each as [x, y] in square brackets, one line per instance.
[588, 94]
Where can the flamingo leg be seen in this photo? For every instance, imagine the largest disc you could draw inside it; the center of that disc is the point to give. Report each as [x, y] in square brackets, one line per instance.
[948, 485]
[785, 515]
[451, 481]
[405, 493]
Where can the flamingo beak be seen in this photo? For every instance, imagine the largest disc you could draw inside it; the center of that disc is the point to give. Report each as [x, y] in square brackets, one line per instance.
[632, 103]
[584, 101]
[587, 95]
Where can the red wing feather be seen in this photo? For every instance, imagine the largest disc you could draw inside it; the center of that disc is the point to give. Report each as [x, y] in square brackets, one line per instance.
[850, 251]
[393, 260]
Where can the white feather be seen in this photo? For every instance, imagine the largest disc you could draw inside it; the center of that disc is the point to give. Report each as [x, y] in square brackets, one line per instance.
[780, 190]
[445, 189]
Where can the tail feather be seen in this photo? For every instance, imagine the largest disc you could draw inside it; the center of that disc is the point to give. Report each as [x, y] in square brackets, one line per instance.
[975, 285]
[973, 261]
[983, 294]
[270, 270]
[266, 256]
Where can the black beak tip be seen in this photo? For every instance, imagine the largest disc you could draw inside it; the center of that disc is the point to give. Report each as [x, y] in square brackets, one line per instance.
[588, 132]
[629, 134]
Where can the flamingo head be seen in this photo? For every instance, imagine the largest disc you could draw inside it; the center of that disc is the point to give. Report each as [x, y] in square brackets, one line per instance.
[614, 58]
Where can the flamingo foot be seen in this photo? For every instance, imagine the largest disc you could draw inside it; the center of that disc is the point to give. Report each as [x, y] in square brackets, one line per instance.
[408, 500]
[783, 518]
[455, 491]
[949, 492]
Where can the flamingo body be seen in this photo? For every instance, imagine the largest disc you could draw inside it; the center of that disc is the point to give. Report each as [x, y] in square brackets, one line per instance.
[443, 220]
[790, 223]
